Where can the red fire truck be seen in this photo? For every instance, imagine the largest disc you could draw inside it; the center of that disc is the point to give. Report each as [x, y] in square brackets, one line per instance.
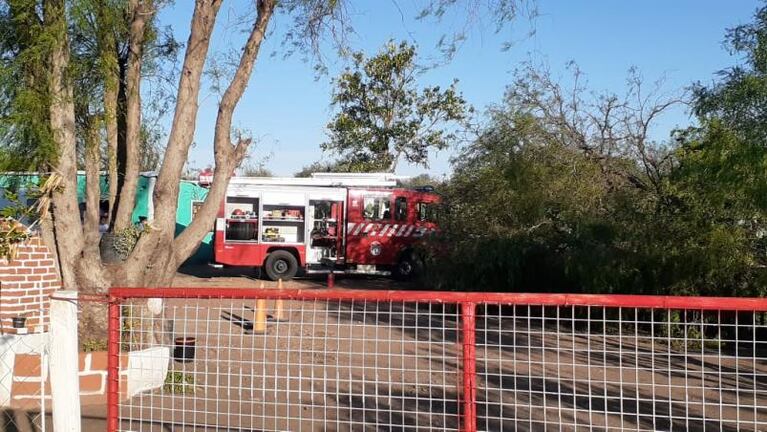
[345, 223]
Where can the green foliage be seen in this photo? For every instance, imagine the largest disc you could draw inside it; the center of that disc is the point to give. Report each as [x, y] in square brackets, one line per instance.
[25, 45]
[322, 167]
[12, 234]
[255, 168]
[125, 240]
[540, 204]
[737, 99]
[93, 345]
[384, 115]
[421, 180]
[98, 37]
[179, 383]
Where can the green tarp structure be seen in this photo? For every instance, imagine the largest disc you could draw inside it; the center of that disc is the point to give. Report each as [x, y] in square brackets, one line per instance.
[189, 194]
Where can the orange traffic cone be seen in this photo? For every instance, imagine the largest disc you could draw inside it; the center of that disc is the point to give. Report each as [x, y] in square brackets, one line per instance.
[259, 324]
[279, 309]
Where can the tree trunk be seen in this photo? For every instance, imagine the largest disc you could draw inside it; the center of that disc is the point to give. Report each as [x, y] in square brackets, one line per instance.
[110, 118]
[66, 214]
[92, 190]
[49, 236]
[141, 11]
[111, 72]
[393, 164]
[122, 150]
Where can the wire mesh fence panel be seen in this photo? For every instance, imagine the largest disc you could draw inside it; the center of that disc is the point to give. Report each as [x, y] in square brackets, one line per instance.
[620, 369]
[316, 365]
[24, 390]
[261, 360]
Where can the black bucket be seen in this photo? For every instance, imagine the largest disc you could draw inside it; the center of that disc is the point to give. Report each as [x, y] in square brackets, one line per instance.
[183, 351]
[18, 322]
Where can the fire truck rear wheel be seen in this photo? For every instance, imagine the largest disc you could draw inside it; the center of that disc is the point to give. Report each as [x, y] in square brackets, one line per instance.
[281, 264]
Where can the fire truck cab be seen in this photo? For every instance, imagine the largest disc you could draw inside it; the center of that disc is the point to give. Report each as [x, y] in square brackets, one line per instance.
[345, 223]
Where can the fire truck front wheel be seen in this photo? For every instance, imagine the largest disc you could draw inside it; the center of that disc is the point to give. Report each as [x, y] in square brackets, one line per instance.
[409, 266]
[280, 264]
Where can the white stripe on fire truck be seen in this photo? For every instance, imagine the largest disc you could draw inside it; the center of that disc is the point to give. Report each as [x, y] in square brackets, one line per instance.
[387, 230]
[220, 224]
[393, 230]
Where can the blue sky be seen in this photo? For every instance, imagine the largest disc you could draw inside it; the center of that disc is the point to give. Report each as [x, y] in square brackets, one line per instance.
[286, 107]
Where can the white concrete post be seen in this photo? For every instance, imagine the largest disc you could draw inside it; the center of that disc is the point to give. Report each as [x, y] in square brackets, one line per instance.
[65, 383]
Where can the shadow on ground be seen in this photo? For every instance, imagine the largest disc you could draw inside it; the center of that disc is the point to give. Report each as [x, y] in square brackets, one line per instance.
[249, 277]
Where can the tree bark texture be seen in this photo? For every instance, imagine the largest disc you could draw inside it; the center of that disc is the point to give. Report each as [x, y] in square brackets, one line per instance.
[92, 190]
[141, 12]
[66, 214]
[227, 155]
[108, 52]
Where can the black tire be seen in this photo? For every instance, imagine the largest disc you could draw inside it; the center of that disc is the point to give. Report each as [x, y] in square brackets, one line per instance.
[408, 267]
[280, 264]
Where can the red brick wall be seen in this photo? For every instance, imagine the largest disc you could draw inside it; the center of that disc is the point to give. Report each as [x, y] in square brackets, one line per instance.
[27, 376]
[26, 284]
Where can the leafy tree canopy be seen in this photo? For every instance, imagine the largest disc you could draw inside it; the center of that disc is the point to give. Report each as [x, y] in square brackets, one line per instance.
[565, 192]
[384, 115]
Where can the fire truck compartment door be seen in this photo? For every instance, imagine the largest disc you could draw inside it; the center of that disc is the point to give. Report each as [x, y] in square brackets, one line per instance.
[284, 198]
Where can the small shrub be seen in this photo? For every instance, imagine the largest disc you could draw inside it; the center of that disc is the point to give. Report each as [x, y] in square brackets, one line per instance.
[12, 233]
[178, 383]
[125, 240]
[93, 345]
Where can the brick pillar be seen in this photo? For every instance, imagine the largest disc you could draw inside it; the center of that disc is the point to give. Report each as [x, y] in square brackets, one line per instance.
[26, 284]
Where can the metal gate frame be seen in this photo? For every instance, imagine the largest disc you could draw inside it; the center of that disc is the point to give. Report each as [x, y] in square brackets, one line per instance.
[467, 301]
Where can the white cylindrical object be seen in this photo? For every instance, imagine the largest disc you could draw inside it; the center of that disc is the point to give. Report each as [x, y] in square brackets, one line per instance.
[65, 383]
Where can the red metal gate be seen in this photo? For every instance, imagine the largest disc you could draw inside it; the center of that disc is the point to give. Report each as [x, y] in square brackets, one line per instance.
[405, 360]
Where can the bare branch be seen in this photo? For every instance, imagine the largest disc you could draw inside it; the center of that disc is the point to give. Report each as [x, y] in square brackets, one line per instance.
[603, 127]
[142, 12]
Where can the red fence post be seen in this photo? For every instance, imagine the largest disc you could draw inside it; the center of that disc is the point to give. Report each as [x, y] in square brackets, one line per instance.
[468, 310]
[113, 364]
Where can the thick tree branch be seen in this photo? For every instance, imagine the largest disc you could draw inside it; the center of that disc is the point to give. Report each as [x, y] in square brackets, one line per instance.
[108, 53]
[142, 11]
[66, 215]
[228, 156]
[92, 191]
[185, 116]
[177, 150]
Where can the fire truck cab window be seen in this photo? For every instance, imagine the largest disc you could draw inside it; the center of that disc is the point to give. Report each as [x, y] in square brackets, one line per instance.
[377, 207]
[427, 212]
[400, 208]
